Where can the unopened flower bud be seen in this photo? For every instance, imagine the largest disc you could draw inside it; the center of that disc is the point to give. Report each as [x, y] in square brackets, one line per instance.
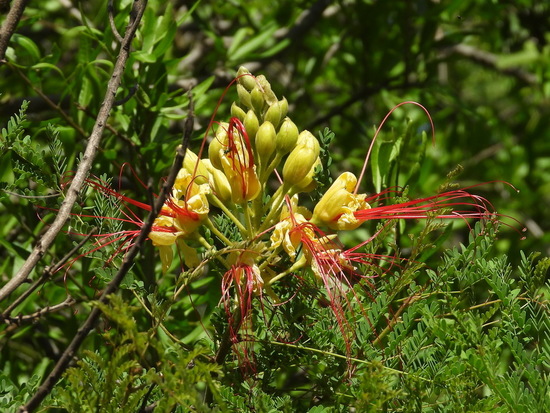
[287, 137]
[269, 96]
[265, 142]
[251, 124]
[273, 114]
[245, 78]
[257, 99]
[237, 112]
[218, 182]
[283, 103]
[244, 96]
[306, 138]
[298, 164]
[308, 184]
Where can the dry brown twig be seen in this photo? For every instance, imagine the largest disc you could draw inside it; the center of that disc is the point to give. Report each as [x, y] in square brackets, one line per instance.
[47, 273]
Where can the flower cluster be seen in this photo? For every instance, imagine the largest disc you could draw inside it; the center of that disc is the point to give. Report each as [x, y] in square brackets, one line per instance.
[258, 164]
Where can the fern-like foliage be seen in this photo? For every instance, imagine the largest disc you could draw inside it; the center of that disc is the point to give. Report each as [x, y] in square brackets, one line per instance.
[467, 336]
[28, 166]
[143, 368]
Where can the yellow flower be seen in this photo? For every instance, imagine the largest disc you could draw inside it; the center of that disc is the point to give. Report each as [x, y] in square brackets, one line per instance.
[337, 206]
[289, 230]
[180, 216]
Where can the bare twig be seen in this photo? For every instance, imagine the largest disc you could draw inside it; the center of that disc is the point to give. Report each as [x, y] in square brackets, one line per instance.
[18, 320]
[10, 24]
[130, 95]
[127, 263]
[491, 61]
[110, 11]
[86, 163]
[48, 101]
[47, 273]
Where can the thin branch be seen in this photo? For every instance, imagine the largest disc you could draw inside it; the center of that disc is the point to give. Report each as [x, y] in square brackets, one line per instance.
[490, 61]
[10, 24]
[110, 11]
[48, 101]
[20, 319]
[127, 263]
[87, 159]
[47, 273]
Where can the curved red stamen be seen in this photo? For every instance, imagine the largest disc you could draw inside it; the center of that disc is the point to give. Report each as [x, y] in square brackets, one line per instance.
[409, 102]
[214, 113]
[477, 206]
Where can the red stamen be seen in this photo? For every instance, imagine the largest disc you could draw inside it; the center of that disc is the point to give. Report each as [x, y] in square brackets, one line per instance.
[476, 207]
[378, 131]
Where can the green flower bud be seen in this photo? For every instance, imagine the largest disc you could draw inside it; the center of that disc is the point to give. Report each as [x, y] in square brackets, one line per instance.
[247, 81]
[251, 124]
[273, 114]
[257, 99]
[308, 184]
[269, 96]
[283, 103]
[189, 164]
[287, 137]
[298, 164]
[244, 96]
[265, 142]
[306, 138]
[237, 112]
[218, 182]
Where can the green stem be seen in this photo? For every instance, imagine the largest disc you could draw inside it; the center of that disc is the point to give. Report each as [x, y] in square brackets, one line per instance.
[216, 201]
[267, 171]
[274, 206]
[217, 232]
[248, 218]
[296, 266]
[258, 208]
[340, 356]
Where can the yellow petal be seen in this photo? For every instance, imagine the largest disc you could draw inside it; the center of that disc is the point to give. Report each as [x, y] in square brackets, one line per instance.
[166, 257]
[337, 206]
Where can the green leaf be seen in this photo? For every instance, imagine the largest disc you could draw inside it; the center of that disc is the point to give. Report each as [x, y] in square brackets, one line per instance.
[28, 45]
[48, 66]
[243, 50]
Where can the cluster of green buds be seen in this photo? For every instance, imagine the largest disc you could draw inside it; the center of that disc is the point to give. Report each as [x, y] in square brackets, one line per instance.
[240, 176]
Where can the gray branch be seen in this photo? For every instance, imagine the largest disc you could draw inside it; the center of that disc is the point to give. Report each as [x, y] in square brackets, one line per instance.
[10, 24]
[87, 159]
